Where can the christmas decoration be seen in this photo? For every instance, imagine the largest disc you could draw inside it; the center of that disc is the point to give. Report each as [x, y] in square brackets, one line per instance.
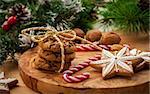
[88, 47]
[118, 64]
[6, 83]
[16, 15]
[5, 26]
[21, 12]
[4, 89]
[11, 20]
[79, 78]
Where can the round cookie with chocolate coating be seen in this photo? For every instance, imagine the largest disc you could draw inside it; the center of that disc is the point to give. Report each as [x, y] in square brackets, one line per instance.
[110, 38]
[93, 35]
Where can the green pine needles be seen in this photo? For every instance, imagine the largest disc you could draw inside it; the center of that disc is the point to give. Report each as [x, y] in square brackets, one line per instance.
[8, 44]
[125, 15]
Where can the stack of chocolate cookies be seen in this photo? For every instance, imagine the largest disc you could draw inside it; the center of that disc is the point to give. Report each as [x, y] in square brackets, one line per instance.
[49, 55]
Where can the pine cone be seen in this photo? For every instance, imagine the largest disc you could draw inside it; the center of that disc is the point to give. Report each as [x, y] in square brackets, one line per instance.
[22, 13]
[143, 4]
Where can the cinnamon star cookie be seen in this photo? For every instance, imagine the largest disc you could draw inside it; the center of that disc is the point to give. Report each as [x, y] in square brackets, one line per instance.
[114, 64]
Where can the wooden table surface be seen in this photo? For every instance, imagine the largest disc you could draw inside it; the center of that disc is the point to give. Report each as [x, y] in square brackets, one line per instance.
[139, 41]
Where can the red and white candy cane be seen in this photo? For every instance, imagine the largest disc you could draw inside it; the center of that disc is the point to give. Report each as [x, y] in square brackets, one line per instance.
[67, 75]
[84, 47]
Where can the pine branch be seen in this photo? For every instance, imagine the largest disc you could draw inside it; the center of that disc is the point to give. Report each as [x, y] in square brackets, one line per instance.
[8, 44]
[126, 15]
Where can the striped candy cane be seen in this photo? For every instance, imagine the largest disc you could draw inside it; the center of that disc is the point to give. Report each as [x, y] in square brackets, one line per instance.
[85, 47]
[67, 75]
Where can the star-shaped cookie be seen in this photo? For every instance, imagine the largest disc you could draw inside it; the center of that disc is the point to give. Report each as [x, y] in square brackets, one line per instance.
[140, 63]
[111, 64]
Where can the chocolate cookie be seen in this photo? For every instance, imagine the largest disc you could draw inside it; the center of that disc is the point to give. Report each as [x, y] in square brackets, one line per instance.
[55, 57]
[55, 66]
[54, 46]
[41, 63]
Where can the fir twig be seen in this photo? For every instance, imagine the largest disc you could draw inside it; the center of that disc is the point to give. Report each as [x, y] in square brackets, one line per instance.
[126, 15]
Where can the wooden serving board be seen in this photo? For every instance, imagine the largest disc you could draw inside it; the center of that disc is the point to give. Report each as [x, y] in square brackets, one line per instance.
[47, 83]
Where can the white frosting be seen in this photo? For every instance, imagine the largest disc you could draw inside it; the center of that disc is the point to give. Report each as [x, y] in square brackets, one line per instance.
[112, 61]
